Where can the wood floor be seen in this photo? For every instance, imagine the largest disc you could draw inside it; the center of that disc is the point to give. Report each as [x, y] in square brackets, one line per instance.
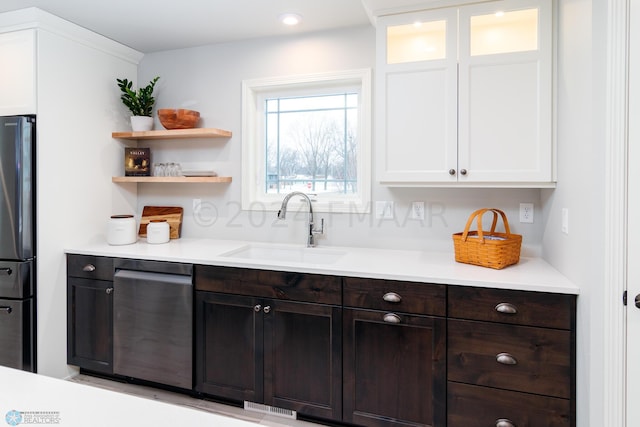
[183, 400]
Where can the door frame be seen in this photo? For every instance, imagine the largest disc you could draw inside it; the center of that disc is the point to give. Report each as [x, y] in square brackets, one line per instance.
[616, 226]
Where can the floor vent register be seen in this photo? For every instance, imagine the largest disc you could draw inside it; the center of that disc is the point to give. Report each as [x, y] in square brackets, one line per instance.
[271, 410]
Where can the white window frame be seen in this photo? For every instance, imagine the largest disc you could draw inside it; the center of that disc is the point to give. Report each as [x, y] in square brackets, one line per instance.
[253, 164]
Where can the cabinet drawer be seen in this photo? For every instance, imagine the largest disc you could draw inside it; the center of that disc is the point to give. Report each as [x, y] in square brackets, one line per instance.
[516, 307]
[269, 284]
[520, 358]
[389, 295]
[90, 267]
[475, 406]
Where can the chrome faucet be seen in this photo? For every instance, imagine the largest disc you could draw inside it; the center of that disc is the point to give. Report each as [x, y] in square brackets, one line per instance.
[282, 213]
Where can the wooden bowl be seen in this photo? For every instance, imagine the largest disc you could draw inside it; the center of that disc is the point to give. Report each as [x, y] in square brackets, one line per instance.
[178, 118]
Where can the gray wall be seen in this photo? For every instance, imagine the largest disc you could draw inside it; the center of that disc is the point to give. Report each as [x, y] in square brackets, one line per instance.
[581, 109]
[208, 79]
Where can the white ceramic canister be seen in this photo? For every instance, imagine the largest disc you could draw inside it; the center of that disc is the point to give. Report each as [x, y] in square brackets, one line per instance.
[121, 230]
[158, 231]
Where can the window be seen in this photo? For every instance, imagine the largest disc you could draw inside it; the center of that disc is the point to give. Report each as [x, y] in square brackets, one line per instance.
[310, 134]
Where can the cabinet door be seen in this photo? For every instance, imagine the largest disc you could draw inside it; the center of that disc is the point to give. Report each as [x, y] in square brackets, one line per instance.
[416, 99]
[18, 73]
[229, 336]
[394, 373]
[302, 358]
[90, 324]
[505, 89]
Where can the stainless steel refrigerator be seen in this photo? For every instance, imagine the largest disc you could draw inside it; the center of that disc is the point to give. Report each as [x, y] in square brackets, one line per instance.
[17, 242]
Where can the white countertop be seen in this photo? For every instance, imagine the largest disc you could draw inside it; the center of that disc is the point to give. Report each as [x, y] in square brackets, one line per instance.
[530, 274]
[27, 398]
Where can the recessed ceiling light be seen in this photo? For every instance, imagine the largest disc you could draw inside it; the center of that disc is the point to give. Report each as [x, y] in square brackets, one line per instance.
[290, 19]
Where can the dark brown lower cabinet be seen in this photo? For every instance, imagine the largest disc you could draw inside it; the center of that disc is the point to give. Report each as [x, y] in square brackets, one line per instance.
[279, 353]
[477, 406]
[89, 324]
[394, 373]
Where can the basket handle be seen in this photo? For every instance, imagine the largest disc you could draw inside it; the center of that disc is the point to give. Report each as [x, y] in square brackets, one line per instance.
[478, 214]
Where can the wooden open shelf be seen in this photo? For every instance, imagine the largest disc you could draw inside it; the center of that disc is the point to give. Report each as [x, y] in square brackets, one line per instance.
[174, 134]
[178, 179]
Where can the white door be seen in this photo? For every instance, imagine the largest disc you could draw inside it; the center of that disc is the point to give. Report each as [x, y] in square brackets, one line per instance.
[416, 97]
[633, 232]
[505, 87]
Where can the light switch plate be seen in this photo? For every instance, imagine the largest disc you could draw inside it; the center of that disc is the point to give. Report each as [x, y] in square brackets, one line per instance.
[417, 210]
[526, 212]
[384, 210]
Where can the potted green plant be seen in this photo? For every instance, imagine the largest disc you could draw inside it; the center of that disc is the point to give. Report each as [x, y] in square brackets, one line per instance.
[139, 102]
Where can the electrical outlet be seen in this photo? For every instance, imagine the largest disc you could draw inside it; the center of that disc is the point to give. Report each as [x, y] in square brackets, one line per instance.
[384, 210]
[565, 221]
[526, 212]
[417, 210]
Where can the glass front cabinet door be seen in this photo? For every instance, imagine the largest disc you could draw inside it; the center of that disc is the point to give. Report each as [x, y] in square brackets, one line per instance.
[464, 96]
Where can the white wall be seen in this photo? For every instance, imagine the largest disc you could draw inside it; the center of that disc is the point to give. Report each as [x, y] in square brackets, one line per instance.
[581, 189]
[78, 108]
[208, 79]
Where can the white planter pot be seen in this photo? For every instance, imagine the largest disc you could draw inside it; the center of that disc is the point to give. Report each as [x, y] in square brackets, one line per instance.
[141, 123]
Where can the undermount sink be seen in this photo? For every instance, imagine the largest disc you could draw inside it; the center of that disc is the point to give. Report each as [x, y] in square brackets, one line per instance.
[286, 254]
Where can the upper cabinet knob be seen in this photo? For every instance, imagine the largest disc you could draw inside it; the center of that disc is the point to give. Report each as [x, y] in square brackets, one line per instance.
[463, 171]
[452, 171]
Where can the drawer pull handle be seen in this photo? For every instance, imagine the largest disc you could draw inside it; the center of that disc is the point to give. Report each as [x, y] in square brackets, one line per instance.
[89, 268]
[391, 318]
[506, 308]
[7, 310]
[392, 297]
[506, 359]
[504, 422]
[6, 271]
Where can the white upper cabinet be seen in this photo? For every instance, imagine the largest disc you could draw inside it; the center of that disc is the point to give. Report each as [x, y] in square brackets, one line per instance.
[464, 96]
[18, 73]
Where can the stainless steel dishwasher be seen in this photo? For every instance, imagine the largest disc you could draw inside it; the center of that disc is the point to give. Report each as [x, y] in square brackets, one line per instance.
[153, 321]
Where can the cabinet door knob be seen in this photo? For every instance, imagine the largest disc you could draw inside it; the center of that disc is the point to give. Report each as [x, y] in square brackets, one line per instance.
[7, 310]
[267, 309]
[109, 291]
[506, 308]
[506, 359]
[463, 171]
[391, 318]
[503, 422]
[637, 301]
[257, 308]
[392, 297]
[6, 271]
[452, 171]
[89, 268]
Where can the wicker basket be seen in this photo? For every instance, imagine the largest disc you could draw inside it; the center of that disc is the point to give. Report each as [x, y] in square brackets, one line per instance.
[487, 249]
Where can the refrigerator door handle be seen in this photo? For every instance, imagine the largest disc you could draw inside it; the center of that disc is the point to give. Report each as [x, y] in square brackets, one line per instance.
[6, 271]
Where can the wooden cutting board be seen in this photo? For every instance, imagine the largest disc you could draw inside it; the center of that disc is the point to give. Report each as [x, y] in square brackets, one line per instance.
[172, 214]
